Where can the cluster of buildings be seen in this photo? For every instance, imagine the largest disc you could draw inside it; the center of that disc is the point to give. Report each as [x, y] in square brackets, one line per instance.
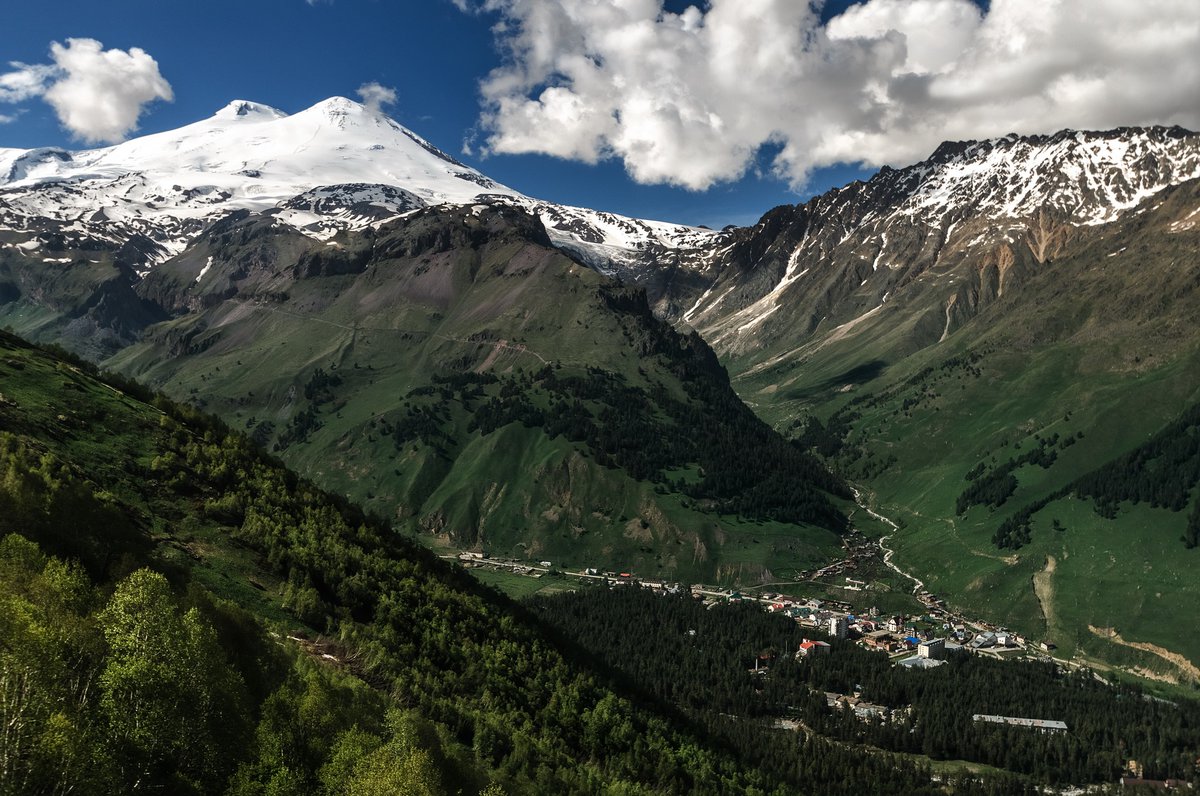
[917, 643]
[858, 549]
[914, 642]
[472, 560]
[864, 710]
[1135, 778]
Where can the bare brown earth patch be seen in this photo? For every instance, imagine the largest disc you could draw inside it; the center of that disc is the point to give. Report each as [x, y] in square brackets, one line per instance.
[1185, 666]
[1043, 587]
[639, 530]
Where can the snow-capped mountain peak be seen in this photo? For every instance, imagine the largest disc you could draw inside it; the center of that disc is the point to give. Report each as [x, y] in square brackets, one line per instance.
[248, 111]
[261, 156]
[957, 223]
[1088, 177]
[169, 186]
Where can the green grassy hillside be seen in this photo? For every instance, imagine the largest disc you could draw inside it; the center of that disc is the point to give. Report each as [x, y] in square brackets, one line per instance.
[456, 374]
[1086, 361]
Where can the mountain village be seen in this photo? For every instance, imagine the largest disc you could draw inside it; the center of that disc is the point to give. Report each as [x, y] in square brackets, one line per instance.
[920, 641]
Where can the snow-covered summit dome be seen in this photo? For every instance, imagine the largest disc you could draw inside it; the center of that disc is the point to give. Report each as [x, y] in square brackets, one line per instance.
[250, 156]
[249, 111]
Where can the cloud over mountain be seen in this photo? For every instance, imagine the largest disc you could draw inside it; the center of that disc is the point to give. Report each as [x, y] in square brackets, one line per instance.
[97, 94]
[690, 98]
[376, 96]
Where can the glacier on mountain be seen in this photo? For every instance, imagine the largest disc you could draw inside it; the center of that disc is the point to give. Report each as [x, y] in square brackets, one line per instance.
[335, 166]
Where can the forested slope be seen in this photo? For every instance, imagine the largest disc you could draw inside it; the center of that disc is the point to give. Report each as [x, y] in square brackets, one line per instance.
[182, 613]
[91, 474]
[455, 373]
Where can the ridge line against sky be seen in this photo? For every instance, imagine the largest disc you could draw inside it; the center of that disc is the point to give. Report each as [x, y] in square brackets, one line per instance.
[709, 114]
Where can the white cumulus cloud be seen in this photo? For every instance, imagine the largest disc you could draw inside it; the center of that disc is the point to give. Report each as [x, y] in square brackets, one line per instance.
[691, 98]
[97, 94]
[376, 96]
[26, 81]
[936, 32]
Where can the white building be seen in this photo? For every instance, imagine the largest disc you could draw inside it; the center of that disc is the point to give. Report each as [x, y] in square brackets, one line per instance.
[839, 626]
[1041, 725]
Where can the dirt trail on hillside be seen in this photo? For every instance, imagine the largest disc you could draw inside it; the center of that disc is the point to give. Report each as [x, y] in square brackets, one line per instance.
[1189, 669]
[497, 347]
[1043, 588]
[958, 537]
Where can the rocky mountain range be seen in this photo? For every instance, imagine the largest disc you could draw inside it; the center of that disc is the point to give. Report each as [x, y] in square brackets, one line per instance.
[357, 299]
[964, 226]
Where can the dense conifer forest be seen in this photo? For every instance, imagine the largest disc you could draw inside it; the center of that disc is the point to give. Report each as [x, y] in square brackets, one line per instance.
[703, 660]
[1162, 472]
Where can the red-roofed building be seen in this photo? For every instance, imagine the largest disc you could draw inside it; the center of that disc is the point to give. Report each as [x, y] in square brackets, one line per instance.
[812, 648]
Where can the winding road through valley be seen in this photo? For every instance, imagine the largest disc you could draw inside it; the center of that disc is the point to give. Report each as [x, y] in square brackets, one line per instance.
[918, 584]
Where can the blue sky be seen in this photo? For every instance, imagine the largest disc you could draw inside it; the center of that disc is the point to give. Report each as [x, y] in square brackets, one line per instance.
[291, 54]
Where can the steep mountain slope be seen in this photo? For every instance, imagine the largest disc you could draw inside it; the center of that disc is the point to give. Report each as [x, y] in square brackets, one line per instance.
[304, 648]
[460, 375]
[357, 297]
[925, 247]
[948, 331]
[346, 292]
[1017, 452]
[182, 614]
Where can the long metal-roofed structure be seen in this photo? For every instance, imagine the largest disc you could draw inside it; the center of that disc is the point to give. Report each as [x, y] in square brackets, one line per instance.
[1041, 725]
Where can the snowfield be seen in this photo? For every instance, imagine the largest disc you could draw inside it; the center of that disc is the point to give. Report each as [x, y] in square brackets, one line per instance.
[335, 166]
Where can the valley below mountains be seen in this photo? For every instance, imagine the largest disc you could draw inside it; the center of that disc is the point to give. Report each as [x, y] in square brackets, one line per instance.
[997, 347]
